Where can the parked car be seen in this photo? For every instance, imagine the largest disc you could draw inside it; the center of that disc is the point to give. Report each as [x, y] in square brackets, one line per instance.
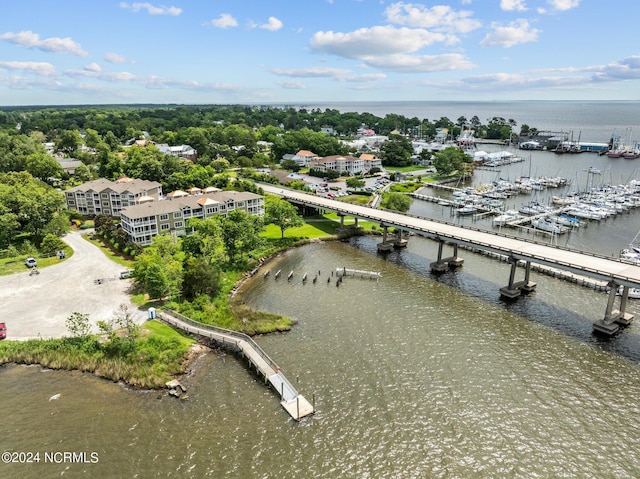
[3, 330]
[31, 262]
[125, 274]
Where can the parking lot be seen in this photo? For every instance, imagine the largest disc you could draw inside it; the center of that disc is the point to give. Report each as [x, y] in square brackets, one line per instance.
[37, 305]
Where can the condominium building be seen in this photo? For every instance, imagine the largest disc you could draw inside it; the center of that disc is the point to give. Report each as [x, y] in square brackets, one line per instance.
[110, 197]
[145, 220]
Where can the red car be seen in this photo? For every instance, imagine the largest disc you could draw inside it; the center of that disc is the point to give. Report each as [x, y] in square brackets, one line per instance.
[3, 331]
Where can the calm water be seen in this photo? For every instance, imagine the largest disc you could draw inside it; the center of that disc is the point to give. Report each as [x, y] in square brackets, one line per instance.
[415, 376]
[591, 120]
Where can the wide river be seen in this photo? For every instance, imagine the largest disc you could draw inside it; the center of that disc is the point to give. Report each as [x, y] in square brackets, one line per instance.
[414, 376]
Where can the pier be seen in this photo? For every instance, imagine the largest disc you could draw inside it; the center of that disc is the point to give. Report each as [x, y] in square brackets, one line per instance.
[340, 272]
[292, 402]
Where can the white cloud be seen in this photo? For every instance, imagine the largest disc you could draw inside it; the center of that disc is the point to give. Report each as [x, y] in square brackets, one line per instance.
[421, 63]
[39, 68]
[93, 67]
[439, 18]
[273, 24]
[225, 20]
[313, 72]
[101, 75]
[151, 9]
[563, 5]
[375, 41]
[29, 39]
[338, 74]
[513, 5]
[390, 48]
[116, 58]
[292, 85]
[513, 34]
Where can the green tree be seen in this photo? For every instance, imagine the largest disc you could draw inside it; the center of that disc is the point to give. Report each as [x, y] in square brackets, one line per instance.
[78, 325]
[450, 159]
[82, 173]
[200, 277]
[396, 151]
[159, 267]
[43, 167]
[9, 225]
[220, 165]
[290, 165]
[51, 243]
[32, 202]
[240, 232]
[355, 183]
[69, 141]
[396, 202]
[281, 213]
[91, 138]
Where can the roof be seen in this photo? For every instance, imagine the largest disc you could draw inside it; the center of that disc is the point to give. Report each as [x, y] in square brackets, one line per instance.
[179, 203]
[134, 186]
[306, 153]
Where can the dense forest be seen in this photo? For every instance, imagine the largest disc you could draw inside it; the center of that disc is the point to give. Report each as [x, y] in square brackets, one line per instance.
[224, 135]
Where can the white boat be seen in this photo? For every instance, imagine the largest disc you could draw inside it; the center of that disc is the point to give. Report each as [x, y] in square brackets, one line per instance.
[545, 224]
[505, 218]
[634, 293]
[584, 213]
[532, 208]
[594, 171]
[466, 210]
[559, 200]
[565, 220]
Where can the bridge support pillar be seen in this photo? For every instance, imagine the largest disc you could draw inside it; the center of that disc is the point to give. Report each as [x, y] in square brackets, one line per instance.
[341, 215]
[400, 242]
[515, 288]
[385, 245]
[614, 318]
[443, 264]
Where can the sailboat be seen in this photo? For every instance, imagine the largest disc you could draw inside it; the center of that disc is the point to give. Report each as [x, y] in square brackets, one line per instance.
[632, 252]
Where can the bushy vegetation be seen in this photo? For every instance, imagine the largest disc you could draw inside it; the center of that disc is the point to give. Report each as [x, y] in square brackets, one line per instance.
[157, 354]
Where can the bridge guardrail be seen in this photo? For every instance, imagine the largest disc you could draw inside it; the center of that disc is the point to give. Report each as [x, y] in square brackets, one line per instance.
[226, 332]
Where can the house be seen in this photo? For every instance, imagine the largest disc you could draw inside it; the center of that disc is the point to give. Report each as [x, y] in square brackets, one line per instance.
[303, 157]
[180, 151]
[69, 165]
[370, 161]
[351, 164]
[145, 220]
[106, 197]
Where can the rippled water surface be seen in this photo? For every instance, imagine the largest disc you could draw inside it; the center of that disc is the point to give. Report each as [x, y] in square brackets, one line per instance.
[413, 376]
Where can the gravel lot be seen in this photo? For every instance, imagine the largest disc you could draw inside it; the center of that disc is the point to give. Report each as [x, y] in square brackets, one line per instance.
[38, 306]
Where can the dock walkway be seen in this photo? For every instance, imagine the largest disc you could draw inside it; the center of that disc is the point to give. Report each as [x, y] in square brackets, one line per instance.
[294, 403]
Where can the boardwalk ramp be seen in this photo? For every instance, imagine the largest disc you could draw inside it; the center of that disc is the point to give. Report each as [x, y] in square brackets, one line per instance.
[294, 403]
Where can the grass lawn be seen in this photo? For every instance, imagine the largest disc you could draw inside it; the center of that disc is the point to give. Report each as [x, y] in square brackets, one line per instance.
[109, 252]
[16, 265]
[405, 169]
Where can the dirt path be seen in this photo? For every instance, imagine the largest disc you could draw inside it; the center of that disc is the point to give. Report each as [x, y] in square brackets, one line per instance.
[38, 305]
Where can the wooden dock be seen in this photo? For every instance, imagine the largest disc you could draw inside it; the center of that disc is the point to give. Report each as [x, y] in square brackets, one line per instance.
[294, 403]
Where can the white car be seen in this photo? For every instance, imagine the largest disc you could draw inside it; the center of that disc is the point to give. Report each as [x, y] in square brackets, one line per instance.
[30, 262]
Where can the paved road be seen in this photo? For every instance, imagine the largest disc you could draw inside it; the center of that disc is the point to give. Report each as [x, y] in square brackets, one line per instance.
[38, 305]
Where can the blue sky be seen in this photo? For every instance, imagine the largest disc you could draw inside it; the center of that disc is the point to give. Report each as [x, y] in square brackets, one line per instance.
[55, 52]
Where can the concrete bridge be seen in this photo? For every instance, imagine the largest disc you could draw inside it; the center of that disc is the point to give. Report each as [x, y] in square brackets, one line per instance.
[519, 252]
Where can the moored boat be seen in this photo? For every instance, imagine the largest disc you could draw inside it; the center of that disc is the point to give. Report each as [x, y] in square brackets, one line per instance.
[545, 224]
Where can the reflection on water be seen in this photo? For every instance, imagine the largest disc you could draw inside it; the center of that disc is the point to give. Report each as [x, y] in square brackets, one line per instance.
[414, 375]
